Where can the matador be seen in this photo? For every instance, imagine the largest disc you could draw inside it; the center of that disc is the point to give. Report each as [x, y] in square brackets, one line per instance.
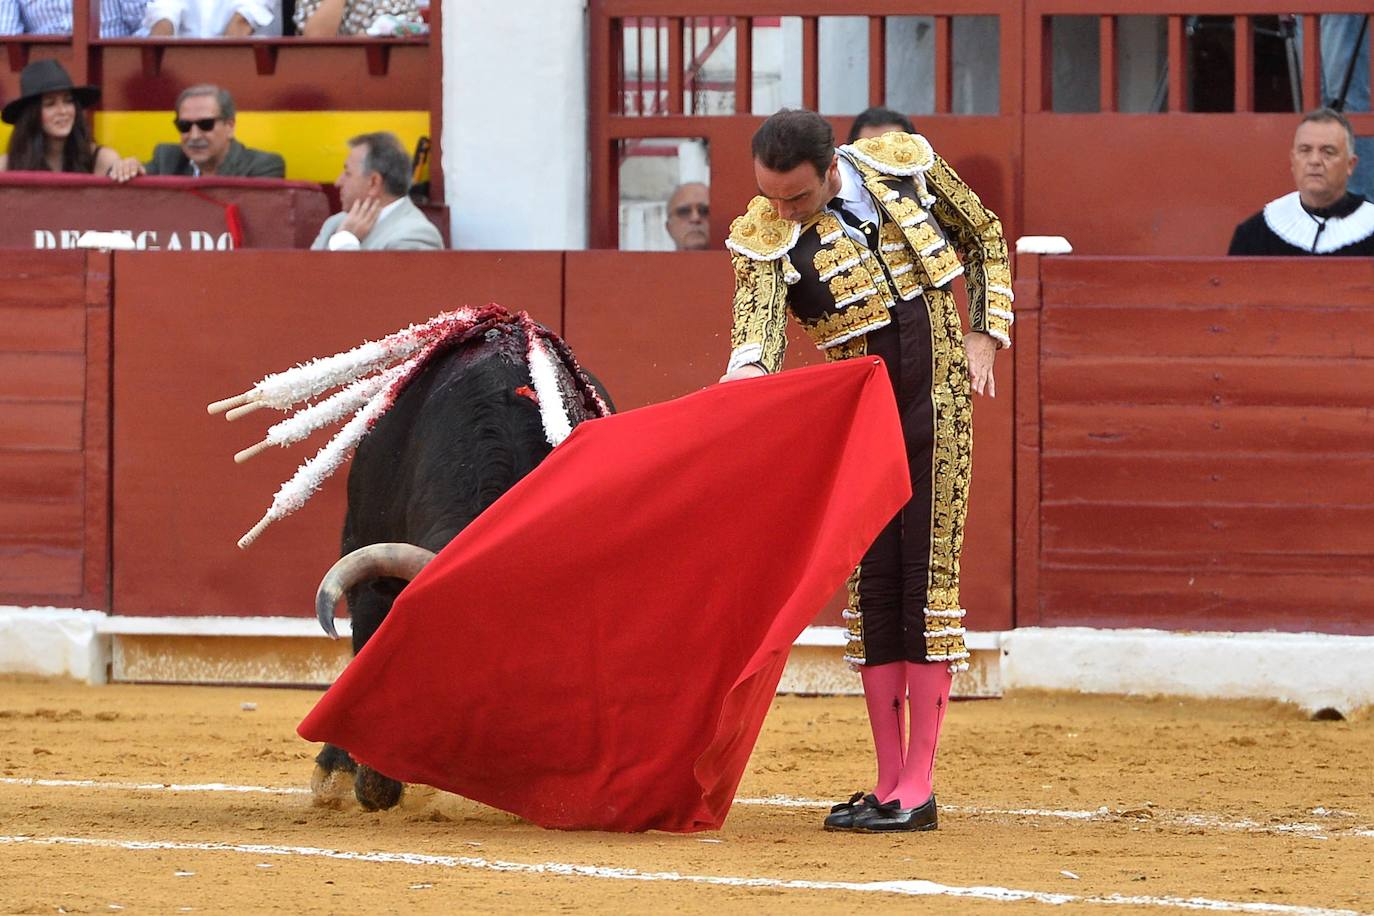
[861, 244]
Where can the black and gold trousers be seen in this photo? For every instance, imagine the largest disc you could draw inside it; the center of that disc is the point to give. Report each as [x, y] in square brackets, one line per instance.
[904, 595]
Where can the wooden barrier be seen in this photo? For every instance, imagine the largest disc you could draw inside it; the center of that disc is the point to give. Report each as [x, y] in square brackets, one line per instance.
[1203, 454]
[55, 418]
[1191, 436]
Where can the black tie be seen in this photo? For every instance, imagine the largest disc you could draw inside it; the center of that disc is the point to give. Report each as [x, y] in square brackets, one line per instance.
[869, 230]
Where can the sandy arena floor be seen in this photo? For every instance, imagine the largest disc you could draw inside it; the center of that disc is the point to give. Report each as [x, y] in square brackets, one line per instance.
[168, 799]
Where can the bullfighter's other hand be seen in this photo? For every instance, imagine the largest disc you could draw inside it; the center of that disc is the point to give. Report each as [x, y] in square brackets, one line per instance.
[362, 216]
[982, 351]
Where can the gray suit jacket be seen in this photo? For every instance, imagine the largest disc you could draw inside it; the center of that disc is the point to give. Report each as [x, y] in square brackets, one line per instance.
[403, 229]
[239, 162]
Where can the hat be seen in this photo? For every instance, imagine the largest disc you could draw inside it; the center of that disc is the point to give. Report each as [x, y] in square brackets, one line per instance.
[46, 76]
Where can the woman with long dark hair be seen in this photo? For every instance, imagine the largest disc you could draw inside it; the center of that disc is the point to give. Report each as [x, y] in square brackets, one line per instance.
[51, 133]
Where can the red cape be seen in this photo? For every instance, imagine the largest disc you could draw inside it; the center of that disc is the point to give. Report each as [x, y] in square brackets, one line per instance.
[598, 649]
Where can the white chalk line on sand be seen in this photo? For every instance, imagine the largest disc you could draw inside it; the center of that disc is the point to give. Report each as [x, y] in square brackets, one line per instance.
[1208, 821]
[905, 888]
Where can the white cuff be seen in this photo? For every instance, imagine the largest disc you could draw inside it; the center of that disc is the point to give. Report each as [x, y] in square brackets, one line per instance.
[744, 355]
[343, 240]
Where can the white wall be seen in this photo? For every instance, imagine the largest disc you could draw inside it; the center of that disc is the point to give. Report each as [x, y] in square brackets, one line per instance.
[515, 124]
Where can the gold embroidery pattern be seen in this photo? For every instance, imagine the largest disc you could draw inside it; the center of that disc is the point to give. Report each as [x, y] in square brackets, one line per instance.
[895, 153]
[952, 463]
[760, 234]
[847, 350]
[977, 234]
[942, 266]
[868, 314]
[760, 309]
[904, 210]
[854, 620]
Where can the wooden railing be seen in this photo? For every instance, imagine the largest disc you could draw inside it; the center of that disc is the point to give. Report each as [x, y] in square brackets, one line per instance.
[1165, 179]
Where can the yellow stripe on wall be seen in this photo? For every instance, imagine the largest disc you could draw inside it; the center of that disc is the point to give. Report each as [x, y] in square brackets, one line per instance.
[314, 143]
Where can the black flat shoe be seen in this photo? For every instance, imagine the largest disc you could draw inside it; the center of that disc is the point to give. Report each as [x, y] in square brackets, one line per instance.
[842, 816]
[890, 818]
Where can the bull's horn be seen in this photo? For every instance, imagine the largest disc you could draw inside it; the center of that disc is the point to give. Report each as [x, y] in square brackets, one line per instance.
[400, 561]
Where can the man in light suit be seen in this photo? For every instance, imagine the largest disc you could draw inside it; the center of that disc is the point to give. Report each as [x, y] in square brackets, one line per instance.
[377, 214]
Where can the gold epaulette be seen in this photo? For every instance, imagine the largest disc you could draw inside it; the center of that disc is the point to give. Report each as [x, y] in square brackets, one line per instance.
[894, 153]
[760, 234]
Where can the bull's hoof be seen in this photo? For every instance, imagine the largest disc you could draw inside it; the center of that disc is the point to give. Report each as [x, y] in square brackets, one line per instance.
[329, 788]
[374, 791]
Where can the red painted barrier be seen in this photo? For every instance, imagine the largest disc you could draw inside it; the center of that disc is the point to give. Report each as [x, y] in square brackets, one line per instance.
[1203, 457]
[55, 416]
[1191, 436]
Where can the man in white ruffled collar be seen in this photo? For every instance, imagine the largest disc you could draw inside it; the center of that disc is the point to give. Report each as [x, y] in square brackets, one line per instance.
[1321, 217]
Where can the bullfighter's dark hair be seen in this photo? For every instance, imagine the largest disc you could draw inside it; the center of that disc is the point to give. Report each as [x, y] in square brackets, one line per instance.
[875, 117]
[794, 136]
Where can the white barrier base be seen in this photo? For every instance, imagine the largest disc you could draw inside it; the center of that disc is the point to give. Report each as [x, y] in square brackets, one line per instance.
[1315, 671]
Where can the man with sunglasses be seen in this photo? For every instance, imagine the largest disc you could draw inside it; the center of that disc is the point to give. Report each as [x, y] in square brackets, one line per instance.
[205, 120]
[689, 216]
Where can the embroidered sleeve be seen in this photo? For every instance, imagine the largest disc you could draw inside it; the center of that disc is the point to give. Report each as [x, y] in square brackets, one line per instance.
[977, 235]
[759, 332]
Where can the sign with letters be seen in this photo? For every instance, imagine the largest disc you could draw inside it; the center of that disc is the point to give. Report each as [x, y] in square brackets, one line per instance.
[156, 213]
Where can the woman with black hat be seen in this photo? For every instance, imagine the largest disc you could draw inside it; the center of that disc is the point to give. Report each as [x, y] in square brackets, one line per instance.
[50, 129]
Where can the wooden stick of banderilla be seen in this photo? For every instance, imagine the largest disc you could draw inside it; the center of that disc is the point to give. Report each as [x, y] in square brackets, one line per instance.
[250, 451]
[236, 401]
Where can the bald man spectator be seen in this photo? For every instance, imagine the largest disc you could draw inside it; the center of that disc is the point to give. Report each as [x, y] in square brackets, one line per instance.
[689, 216]
[1322, 217]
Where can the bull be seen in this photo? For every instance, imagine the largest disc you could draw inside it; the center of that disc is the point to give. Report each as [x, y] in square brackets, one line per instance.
[466, 423]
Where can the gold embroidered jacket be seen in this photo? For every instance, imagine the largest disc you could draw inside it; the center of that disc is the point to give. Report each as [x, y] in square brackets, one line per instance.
[838, 288]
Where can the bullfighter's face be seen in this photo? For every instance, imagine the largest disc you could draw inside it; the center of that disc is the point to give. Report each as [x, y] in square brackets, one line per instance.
[800, 193]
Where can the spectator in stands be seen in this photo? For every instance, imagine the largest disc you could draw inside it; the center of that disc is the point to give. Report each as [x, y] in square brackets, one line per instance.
[377, 214]
[328, 18]
[205, 119]
[118, 18]
[1321, 216]
[212, 18]
[50, 129]
[874, 122]
[689, 216]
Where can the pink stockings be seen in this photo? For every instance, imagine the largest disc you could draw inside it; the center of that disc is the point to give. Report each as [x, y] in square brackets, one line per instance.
[906, 768]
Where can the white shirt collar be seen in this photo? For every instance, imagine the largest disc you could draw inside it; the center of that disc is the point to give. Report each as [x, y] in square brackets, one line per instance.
[856, 198]
[851, 183]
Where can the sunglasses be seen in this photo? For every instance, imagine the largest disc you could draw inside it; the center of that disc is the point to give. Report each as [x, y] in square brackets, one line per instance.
[205, 124]
[685, 210]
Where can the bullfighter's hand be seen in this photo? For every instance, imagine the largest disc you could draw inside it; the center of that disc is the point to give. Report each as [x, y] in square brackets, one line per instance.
[362, 216]
[125, 169]
[748, 370]
[982, 351]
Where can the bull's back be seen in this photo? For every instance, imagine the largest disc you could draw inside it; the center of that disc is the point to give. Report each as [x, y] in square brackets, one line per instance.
[458, 436]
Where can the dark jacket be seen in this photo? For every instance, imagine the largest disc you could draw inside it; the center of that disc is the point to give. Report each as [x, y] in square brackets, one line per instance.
[239, 162]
